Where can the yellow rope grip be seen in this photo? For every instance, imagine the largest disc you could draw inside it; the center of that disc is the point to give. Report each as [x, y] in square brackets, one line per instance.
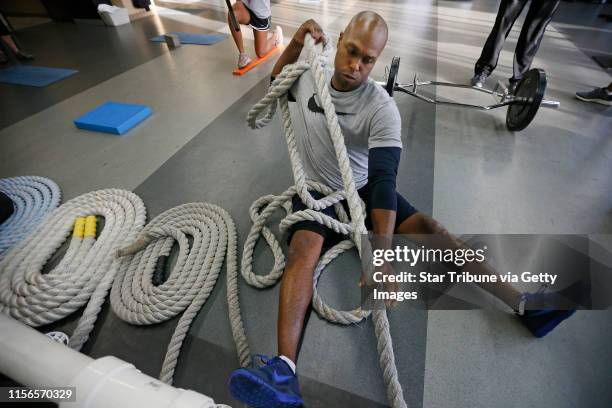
[90, 226]
[79, 227]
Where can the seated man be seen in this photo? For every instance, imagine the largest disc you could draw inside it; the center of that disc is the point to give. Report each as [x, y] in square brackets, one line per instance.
[371, 125]
[257, 14]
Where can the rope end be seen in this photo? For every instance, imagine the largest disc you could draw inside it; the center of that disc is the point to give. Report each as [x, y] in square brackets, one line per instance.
[142, 241]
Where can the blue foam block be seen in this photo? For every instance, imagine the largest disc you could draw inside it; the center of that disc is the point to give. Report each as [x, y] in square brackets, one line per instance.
[113, 117]
[31, 75]
[193, 38]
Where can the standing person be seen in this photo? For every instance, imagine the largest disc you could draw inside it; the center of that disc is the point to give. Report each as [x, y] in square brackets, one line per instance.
[540, 13]
[257, 14]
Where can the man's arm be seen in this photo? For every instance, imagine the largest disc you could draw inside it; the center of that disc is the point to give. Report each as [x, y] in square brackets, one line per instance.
[382, 173]
[293, 50]
[383, 160]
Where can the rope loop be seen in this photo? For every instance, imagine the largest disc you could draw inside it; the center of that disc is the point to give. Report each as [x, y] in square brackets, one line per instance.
[136, 300]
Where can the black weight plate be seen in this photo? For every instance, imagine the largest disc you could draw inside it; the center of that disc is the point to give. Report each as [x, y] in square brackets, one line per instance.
[392, 77]
[531, 87]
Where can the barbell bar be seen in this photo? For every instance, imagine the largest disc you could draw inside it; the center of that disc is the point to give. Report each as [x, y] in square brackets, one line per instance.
[522, 106]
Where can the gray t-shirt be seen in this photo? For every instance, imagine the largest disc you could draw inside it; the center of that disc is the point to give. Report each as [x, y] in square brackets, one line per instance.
[368, 117]
[261, 8]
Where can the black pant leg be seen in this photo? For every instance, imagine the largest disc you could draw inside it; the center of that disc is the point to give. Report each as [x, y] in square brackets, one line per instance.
[508, 12]
[538, 17]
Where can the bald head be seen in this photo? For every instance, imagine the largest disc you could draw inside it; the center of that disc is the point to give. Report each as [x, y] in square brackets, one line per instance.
[359, 47]
[369, 24]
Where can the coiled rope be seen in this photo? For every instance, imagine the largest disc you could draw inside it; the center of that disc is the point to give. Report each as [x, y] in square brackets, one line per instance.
[121, 259]
[265, 206]
[135, 299]
[33, 198]
[85, 273]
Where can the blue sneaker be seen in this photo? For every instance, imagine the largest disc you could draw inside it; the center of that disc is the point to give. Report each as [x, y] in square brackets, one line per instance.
[545, 315]
[541, 322]
[272, 386]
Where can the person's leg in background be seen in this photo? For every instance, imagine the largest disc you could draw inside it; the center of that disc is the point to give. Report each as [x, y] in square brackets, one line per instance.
[538, 17]
[508, 12]
[5, 34]
[263, 43]
[8, 40]
[602, 96]
[242, 17]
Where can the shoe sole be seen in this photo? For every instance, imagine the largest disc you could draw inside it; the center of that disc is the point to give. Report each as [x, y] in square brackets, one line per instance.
[255, 392]
[599, 101]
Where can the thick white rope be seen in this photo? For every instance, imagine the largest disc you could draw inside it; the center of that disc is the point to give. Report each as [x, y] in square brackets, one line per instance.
[123, 253]
[265, 206]
[135, 299]
[85, 273]
[33, 198]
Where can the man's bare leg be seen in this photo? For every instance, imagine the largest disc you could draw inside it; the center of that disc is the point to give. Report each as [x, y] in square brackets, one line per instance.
[421, 223]
[276, 383]
[296, 290]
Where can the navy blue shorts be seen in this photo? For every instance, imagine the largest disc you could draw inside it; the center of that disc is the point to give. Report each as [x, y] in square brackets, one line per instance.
[404, 211]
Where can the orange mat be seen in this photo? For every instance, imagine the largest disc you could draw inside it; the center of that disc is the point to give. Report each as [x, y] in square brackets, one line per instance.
[244, 70]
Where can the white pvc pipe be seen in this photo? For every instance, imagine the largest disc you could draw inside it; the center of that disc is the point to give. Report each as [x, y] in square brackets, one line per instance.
[31, 358]
[34, 360]
[110, 382]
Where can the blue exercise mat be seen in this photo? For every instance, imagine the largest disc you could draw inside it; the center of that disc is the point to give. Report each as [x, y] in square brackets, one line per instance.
[113, 117]
[31, 75]
[193, 38]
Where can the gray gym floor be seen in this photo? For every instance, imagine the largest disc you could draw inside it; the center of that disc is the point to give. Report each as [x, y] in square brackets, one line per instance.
[463, 167]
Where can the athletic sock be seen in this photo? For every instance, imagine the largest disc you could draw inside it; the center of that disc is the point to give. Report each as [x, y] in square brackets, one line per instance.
[290, 363]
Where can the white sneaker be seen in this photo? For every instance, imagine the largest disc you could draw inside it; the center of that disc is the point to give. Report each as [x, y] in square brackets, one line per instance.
[278, 36]
[243, 60]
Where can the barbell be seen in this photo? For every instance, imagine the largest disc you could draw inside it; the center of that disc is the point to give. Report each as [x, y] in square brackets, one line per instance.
[522, 105]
